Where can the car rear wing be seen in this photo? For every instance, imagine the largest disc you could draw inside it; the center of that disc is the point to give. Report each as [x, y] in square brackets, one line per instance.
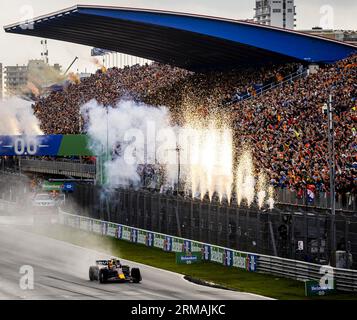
[102, 262]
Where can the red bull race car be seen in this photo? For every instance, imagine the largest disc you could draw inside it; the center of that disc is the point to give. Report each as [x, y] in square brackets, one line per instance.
[113, 271]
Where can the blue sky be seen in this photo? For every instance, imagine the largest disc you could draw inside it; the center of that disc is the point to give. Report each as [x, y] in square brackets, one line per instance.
[17, 49]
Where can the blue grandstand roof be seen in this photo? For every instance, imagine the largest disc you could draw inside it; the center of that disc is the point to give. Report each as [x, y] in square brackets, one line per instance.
[189, 41]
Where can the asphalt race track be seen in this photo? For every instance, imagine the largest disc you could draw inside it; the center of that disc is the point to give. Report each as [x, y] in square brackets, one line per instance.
[61, 272]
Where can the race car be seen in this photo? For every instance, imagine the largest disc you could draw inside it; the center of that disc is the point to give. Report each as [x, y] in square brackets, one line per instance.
[113, 271]
[43, 200]
[47, 203]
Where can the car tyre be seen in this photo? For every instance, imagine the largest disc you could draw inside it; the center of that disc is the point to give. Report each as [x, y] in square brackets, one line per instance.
[136, 275]
[103, 276]
[92, 273]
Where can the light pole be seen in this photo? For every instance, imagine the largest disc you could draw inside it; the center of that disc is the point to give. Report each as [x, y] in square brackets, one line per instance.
[107, 151]
[331, 152]
[178, 154]
[80, 122]
[178, 150]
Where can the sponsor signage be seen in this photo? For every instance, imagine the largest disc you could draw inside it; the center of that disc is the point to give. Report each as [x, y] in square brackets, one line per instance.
[68, 187]
[126, 233]
[177, 245]
[142, 237]
[52, 186]
[120, 232]
[251, 262]
[239, 260]
[168, 243]
[228, 258]
[313, 288]
[45, 145]
[207, 252]
[159, 241]
[244, 261]
[188, 258]
[145, 238]
[150, 239]
[195, 246]
[134, 235]
[58, 186]
[187, 246]
[112, 230]
[217, 255]
[187, 251]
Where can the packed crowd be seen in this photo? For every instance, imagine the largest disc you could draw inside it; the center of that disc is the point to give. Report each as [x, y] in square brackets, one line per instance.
[288, 129]
[285, 126]
[107, 87]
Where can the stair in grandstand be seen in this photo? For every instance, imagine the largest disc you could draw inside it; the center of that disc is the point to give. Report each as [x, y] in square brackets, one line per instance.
[261, 90]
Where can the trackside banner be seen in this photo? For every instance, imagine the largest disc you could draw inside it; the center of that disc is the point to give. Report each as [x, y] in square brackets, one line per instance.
[224, 256]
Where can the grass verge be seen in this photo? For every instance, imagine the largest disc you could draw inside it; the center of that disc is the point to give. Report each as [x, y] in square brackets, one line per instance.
[231, 278]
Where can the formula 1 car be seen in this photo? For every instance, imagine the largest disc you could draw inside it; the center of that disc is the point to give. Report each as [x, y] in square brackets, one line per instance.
[113, 271]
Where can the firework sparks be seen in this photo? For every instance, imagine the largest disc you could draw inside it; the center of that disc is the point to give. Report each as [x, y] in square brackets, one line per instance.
[261, 189]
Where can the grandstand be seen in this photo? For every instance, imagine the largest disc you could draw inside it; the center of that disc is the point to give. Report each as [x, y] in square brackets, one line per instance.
[283, 124]
[261, 76]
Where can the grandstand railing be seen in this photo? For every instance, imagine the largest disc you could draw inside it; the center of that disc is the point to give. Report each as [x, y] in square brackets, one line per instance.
[290, 78]
[59, 167]
[345, 202]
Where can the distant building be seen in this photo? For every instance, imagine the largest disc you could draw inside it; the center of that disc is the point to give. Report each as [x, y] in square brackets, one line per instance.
[29, 80]
[15, 79]
[341, 35]
[276, 13]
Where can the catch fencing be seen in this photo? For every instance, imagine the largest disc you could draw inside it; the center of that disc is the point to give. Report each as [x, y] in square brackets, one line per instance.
[225, 256]
[345, 280]
[344, 202]
[298, 234]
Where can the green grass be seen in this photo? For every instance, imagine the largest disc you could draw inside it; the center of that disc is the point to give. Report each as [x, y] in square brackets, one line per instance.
[232, 278]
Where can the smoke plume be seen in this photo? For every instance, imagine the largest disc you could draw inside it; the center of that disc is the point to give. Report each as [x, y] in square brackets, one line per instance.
[16, 118]
[126, 135]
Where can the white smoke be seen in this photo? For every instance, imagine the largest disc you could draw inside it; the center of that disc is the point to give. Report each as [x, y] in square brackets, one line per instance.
[130, 134]
[16, 118]
[129, 131]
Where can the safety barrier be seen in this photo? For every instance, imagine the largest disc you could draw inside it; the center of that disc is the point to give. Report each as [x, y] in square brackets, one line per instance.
[345, 280]
[346, 202]
[224, 256]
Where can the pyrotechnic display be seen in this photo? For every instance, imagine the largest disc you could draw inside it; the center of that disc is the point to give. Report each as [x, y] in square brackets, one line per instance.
[198, 158]
[178, 150]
